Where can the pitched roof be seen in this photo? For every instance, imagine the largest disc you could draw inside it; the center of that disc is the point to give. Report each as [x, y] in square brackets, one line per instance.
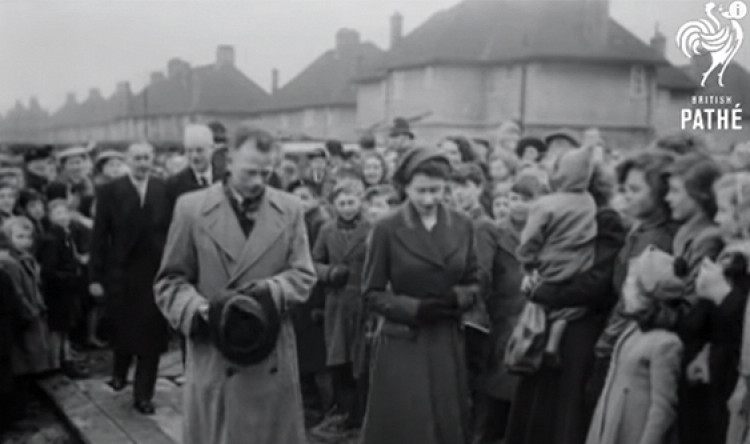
[675, 78]
[328, 80]
[491, 32]
[210, 88]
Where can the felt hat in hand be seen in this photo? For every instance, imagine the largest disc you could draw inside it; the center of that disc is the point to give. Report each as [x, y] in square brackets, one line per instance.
[244, 324]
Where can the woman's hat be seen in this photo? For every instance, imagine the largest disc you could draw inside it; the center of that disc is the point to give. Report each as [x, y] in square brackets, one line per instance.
[562, 133]
[105, 156]
[412, 159]
[72, 151]
[400, 127]
[244, 325]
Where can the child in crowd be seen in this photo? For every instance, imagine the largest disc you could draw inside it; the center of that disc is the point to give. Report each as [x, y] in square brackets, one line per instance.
[378, 201]
[63, 258]
[339, 255]
[557, 241]
[467, 185]
[307, 318]
[33, 352]
[8, 198]
[31, 204]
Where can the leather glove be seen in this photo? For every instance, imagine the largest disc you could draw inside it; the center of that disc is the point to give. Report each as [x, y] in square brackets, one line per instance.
[433, 310]
[199, 328]
[338, 275]
[258, 290]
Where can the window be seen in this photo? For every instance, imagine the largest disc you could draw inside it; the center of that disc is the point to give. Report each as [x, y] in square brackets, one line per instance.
[398, 83]
[309, 118]
[638, 82]
[429, 77]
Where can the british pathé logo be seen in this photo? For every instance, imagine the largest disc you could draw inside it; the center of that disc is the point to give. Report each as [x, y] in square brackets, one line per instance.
[719, 38]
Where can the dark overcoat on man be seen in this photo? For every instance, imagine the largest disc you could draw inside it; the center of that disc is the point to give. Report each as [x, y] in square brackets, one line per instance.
[127, 245]
[184, 182]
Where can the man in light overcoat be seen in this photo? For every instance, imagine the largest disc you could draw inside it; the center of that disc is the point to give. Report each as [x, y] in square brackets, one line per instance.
[227, 236]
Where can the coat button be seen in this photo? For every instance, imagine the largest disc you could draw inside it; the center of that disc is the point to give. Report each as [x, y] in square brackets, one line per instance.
[231, 372]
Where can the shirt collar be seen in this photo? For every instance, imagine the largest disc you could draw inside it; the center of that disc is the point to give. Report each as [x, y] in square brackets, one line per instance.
[208, 174]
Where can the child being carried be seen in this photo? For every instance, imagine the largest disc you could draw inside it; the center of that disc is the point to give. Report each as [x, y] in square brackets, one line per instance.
[557, 241]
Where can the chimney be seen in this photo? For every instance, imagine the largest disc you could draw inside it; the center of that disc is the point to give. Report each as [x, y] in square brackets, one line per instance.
[397, 28]
[123, 88]
[174, 67]
[659, 41]
[157, 76]
[347, 42]
[225, 55]
[274, 81]
[34, 103]
[71, 98]
[94, 93]
[596, 21]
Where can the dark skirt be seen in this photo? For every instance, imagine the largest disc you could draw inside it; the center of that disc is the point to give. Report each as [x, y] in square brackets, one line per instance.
[549, 406]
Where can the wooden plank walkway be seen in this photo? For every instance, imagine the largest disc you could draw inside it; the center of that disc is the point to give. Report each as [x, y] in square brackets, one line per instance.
[102, 416]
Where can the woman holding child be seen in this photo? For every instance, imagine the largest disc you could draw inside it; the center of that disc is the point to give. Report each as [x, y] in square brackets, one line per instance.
[548, 406]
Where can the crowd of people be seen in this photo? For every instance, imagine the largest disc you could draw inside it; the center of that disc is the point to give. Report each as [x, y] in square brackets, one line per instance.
[528, 289]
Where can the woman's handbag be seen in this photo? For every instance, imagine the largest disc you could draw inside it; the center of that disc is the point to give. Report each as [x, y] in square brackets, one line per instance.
[525, 349]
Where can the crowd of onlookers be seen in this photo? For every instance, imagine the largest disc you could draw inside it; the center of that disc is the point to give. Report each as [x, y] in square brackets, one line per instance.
[601, 297]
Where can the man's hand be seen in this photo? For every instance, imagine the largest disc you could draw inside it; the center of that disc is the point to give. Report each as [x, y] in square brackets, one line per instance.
[96, 290]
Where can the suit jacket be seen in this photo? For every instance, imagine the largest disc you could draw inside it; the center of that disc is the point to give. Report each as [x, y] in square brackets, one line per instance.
[207, 253]
[126, 248]
[184, 182]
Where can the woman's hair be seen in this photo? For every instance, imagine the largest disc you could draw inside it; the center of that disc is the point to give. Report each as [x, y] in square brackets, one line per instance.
[655, 168]
[464, 147]
[529, 186]
[736, 187]
[377, 156]
[28, 195]
[468, 172]
[17, 222]
[698, 172]
[304, 183]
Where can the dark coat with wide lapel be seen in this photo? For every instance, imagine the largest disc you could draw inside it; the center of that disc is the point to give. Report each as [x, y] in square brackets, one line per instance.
[419, 390]
[127, 244]
[343, 306]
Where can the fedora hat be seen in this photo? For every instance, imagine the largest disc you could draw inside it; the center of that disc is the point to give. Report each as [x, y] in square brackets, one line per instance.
[244, 325]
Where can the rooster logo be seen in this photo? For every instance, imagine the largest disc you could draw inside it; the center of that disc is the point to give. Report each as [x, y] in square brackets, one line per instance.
[721, 39]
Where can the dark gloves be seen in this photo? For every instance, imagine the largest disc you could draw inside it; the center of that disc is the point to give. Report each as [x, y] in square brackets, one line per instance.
[338, 275]
[199, 327]
[259, 290]
[434, 309]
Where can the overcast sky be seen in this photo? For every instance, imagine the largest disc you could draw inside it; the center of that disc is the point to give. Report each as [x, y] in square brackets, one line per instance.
[48, 48]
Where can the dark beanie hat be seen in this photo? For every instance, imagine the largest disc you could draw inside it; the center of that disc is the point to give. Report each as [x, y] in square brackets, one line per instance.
[38, 153]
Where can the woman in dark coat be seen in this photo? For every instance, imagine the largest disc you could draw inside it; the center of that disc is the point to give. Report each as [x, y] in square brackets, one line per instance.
[549, 406]
[420, 275]
[643, 178]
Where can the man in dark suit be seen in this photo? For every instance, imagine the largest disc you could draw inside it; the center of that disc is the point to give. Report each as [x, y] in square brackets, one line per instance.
[130, 229]
[199, 148]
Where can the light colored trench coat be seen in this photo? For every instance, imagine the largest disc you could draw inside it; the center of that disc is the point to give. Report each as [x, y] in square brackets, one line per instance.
[207, 252]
